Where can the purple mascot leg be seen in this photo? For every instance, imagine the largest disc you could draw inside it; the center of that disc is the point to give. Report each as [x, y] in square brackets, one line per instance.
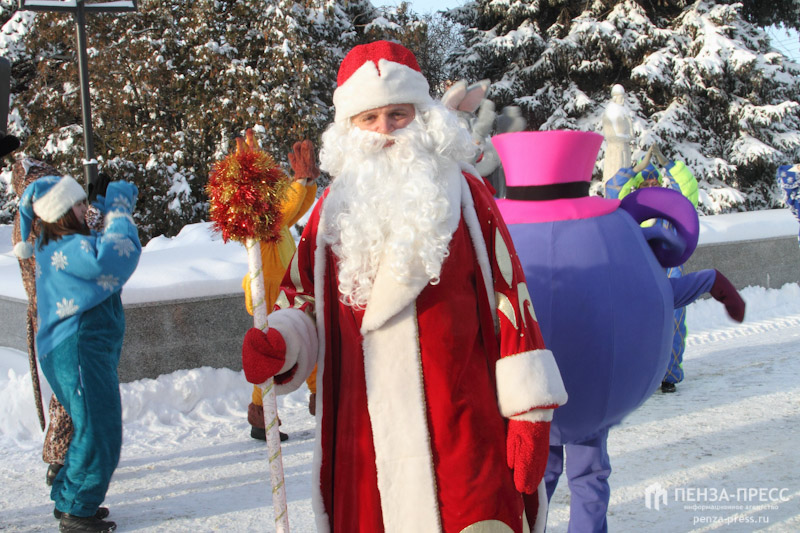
[588, 468]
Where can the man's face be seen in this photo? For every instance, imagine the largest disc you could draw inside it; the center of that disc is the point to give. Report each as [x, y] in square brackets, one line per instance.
[649, 183]
[385, 119]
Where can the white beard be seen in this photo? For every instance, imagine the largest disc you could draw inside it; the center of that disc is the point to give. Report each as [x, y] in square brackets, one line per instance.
[389, 204]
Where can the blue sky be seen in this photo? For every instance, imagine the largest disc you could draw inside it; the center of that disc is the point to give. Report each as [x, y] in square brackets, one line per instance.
[428, 6]
[787, 43]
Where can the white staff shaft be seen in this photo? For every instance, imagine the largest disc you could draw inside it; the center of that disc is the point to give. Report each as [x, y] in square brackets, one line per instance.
[269, 402]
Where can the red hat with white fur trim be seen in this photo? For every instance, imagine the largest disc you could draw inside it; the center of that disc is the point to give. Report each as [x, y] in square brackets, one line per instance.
[378, 74]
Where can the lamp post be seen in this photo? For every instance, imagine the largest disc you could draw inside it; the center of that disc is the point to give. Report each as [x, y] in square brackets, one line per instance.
[79, 8]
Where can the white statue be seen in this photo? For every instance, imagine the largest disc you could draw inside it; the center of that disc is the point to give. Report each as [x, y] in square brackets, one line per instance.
[617, 129]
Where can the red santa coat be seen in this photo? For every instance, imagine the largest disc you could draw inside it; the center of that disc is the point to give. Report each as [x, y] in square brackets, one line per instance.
[414, 391]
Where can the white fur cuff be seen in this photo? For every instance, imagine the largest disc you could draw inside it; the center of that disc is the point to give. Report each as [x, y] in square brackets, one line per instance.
[300, 334]
[537, 415]
[528, 380]
[114, 215]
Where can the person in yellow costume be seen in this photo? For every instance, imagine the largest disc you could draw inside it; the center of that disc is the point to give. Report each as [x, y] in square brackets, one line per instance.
[275, 258]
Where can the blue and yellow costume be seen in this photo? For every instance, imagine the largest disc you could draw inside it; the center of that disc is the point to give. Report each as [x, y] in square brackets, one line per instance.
[789, 179]
[683, 181]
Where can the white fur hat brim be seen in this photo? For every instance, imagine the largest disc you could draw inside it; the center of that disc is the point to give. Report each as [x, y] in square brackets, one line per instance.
[372, 86]
[58, 199]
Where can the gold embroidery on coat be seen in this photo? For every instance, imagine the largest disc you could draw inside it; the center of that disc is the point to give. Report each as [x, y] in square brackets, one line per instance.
[282, 301]
[488, 526]
[505, 307]
[295, 274]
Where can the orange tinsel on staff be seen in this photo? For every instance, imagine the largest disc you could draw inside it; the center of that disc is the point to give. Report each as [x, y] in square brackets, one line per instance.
[245, 191]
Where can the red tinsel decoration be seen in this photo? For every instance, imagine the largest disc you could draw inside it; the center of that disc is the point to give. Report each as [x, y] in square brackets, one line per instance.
[246, 190]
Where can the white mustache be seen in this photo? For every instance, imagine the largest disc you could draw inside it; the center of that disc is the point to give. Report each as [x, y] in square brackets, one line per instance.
[371, 142]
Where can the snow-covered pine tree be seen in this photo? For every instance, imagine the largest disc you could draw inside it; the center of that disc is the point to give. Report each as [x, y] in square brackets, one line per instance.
[175, 82]
[431, 37]
[701, 81]
[12, 49]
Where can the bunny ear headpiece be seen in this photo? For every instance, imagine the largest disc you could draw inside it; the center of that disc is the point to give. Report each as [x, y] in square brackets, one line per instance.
[49, 198]
[459, 97]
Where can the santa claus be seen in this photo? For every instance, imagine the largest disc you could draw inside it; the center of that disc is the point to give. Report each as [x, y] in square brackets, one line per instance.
[435, 392]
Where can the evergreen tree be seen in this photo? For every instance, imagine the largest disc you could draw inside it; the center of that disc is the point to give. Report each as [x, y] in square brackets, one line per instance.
[175, 82]
[703, 82]
[13, 25]
[775, 12]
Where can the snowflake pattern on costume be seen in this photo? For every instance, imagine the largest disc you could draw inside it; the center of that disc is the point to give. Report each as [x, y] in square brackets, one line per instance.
[124, 247]
[108, 282]
[120, 203]
[59, 261]
[66, 308]
[85, 246]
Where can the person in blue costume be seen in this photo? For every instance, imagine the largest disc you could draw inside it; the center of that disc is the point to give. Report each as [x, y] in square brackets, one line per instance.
[600, 293]
[680, 179]
[81, 324]
[789, 180]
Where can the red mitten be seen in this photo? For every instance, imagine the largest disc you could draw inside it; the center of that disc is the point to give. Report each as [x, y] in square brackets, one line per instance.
[302, 160]
[724, 292]
[263, 354]
[527, 446]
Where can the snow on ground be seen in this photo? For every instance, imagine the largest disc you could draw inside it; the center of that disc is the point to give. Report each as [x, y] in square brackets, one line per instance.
[726, 440]
[718, 455]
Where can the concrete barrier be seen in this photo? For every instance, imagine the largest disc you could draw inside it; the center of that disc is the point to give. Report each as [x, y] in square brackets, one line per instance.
[769, 263]
[161, 337]
[166, 336]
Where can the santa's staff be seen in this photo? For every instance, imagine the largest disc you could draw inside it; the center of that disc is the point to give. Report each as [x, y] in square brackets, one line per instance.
[245, 191]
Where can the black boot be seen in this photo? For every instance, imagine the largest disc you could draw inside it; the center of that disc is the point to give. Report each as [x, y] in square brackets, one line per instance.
[258, 433]
[101, 513]
[666, 386]
[52, 472]
[261, 434]
[84, 524]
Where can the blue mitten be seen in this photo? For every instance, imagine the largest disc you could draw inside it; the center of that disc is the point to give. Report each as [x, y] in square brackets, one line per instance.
[121, 197]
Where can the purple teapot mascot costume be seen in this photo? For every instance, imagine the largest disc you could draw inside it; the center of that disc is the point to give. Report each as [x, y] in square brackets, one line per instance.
[600, 293]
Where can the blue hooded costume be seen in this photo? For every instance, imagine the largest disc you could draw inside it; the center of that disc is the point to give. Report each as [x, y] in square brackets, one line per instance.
[81, 324]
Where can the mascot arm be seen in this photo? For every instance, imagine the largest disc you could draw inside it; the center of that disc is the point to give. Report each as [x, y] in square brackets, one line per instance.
[689, 287]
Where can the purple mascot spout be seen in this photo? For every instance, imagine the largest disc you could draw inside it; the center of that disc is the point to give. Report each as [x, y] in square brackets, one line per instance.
[601, 295]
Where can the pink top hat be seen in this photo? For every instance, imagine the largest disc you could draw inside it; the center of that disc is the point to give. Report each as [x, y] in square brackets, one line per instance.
[548, 175]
